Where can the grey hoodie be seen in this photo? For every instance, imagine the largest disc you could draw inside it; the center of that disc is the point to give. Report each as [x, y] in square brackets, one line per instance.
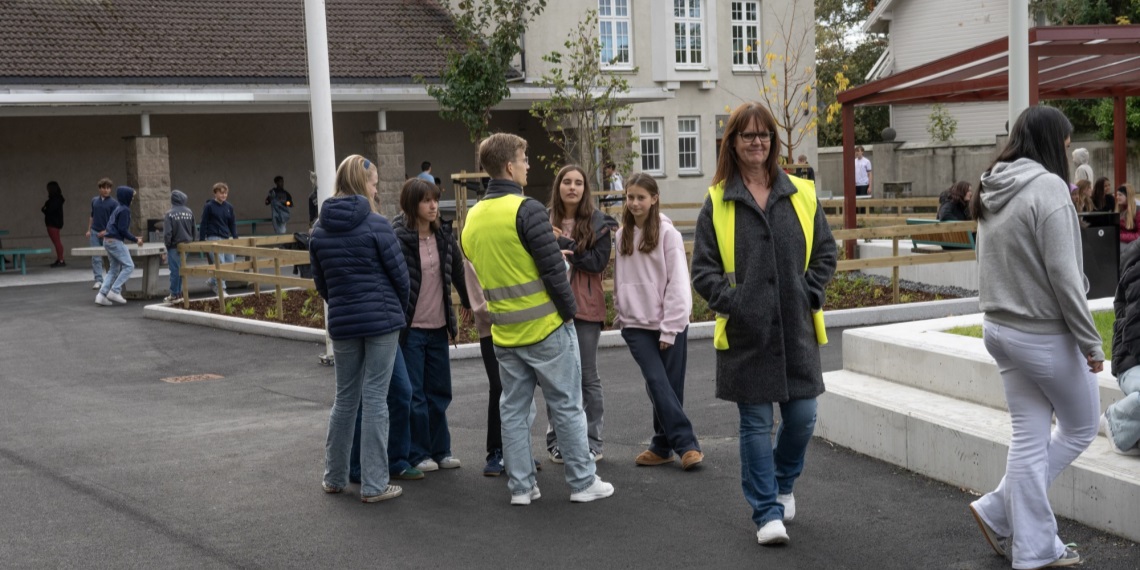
[178, 225]
[1029, 255]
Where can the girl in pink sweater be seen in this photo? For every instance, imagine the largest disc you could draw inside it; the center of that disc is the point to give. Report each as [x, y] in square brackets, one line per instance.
[653, 299]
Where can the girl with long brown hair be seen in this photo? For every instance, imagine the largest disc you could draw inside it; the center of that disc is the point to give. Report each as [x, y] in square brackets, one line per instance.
[584, 239]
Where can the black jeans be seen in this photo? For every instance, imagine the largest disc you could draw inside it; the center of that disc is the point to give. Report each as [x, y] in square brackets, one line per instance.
[495, 390]
[664, 372]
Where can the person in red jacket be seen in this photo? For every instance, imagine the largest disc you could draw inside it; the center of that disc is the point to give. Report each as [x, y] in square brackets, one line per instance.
[1129, 221]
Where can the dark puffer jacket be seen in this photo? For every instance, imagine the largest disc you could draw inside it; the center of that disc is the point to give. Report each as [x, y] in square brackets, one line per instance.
[359, 269]
[450, 261]
[1126, 305]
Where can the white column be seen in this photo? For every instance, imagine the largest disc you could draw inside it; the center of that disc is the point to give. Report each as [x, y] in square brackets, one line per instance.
[144, 124]
[382, 121]
[320, 98]
[1018, 58]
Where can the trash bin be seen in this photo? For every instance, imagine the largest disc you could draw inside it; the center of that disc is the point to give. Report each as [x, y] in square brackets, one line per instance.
[1100, 245]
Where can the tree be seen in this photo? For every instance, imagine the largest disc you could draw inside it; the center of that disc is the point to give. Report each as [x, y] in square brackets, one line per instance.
[475, 77]
[585, 109]
[789, 90]
[844, 57]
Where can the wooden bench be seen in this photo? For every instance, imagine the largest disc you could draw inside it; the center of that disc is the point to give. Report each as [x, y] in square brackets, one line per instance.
[149, 256]
[20, 257]
[947, 240]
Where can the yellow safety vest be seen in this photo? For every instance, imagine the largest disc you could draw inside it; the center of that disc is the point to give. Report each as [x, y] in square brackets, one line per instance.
[724, 223]
[521, 311]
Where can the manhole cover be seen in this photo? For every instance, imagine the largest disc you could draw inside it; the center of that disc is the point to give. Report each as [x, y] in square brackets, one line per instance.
[193, 378]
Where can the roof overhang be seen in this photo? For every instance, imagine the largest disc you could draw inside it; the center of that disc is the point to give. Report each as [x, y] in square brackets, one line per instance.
[53, 100]
[1066, 62]
[878, 21]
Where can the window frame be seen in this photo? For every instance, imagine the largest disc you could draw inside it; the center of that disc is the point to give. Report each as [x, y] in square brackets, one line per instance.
[743, 24]
[688, 21]
[614, 20]
[695, 135]
[643, 138]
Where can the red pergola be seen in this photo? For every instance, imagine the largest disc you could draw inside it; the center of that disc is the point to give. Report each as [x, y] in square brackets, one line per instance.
[1065, 62]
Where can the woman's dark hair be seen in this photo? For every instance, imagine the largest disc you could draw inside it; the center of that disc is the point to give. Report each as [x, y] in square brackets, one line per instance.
[652, 229]
[583, 230]
[958, 192]
[1101, 194]
[417, 190]
[54, 191]
[740, 119]
[1038, 134]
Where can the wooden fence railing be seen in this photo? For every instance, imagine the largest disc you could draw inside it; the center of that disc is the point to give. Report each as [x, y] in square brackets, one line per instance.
[894, 233]
[257, 256]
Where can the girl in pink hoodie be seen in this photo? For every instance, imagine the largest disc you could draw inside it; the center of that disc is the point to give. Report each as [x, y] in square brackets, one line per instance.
[653, 300]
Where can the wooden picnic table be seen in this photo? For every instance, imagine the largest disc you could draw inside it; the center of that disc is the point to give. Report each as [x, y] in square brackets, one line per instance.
[149, 256]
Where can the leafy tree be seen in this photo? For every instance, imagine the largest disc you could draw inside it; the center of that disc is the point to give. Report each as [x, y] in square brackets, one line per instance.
[585, 114]
[475, 77]
[790, 84]
[844, 58]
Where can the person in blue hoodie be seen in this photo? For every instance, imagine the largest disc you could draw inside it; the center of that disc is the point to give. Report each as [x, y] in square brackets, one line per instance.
[101, 208]
[218, 223]
[115, 238]
[359, 270]
[177, 228]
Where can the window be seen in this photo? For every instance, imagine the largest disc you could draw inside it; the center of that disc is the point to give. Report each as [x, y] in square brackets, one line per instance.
[745, 36]
[651, 150]
[613, 30]
[688, 144]
[688, 33]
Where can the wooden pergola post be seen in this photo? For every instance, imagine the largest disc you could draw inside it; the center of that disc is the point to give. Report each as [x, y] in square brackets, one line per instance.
[1119, 141]
[849, 176]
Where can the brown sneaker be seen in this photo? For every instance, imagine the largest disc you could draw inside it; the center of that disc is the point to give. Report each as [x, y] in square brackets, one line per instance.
[691, 459]
[651, 459]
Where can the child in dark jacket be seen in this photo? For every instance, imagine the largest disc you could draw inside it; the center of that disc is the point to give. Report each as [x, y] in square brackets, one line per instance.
[177, 228]
[584, 239]
[1121, 421]
[219, 223]
[434, 265]
[53, 219]
[115, 239]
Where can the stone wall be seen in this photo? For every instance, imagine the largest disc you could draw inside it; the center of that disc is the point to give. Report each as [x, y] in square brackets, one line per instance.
[148, 172]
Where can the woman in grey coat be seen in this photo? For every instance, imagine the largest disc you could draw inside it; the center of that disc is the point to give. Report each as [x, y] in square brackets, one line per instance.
[769, 352]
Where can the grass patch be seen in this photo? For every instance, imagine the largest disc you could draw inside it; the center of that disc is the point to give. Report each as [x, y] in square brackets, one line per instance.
[1102, 319]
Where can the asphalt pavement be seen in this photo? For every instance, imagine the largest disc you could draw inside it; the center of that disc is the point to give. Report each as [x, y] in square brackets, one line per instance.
[104, 465]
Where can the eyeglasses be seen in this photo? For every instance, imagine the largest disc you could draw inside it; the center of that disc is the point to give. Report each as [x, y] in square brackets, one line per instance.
[762, 136]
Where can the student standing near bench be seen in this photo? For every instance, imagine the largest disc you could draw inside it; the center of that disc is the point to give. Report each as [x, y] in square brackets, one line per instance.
[101, 208]
[116, 235]
[219, 223]
[53, 219]
[177, 228]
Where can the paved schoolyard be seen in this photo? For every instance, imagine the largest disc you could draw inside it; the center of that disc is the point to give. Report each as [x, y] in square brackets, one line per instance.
[102, 465]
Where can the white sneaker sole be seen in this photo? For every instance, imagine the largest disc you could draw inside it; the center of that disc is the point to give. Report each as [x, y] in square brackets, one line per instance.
[588, 496]
[526, 498]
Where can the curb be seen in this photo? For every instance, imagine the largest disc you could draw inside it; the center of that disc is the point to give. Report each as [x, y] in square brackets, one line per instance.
[609, 339]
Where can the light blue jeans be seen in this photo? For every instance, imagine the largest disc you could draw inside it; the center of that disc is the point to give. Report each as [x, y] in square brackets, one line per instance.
[223, 258]
[554, 365]
[766, 471]
[96, 260]
[174, 262]
[121, 266]
[1124, 415]
[363, 371]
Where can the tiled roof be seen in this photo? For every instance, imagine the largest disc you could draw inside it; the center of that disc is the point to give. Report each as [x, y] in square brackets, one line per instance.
[216, 40]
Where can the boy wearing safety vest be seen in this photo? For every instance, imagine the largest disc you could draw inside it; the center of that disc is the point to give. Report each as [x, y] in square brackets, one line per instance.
[511, 244]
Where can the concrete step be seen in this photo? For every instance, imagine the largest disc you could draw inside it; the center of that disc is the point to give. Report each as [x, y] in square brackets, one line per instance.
[919, 354]
[965, 443]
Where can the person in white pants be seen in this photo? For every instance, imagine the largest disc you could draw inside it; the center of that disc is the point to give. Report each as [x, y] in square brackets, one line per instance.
[1039, 330]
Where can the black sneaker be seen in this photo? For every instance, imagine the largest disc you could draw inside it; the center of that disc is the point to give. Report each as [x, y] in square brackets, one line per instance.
[494, 466]
[59, 263]
[556, 455]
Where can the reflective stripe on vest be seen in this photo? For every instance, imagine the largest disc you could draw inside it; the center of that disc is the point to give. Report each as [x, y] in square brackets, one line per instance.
[520, 308]
[724, 224]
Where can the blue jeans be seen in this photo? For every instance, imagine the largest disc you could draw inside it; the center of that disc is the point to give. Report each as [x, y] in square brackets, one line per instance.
[554, 365]
[223, 258]
[363, 371]
[664, 372]
[174, 262]
[765, 471]
[121, 266]
[279, 222]
[399, 436]
[429, 371]
[96, 260]
[1124, 415]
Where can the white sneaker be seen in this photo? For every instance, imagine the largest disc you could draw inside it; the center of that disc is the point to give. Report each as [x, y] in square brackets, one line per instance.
[598, 490]
[97, 285]
[449, 462]
[427, 465]
[789, 502]
[772, 533]
[102, 300]
[113, 296]
[524, 499]
[1111, 442]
